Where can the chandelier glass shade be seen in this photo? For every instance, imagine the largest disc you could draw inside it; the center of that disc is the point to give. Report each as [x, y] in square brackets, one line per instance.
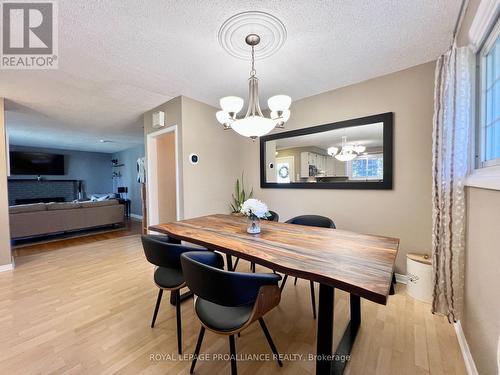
[348, 152]
[253, 124]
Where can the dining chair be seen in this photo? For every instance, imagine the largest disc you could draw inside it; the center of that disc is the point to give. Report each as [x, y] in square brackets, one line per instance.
[228, 302]
[274, 217]
[165, 252]
[311, 221]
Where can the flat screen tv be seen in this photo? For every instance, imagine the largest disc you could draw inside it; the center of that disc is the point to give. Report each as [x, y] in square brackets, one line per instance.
[36, 163]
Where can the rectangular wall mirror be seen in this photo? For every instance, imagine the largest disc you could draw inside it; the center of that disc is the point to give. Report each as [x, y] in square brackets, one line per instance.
[351, 154]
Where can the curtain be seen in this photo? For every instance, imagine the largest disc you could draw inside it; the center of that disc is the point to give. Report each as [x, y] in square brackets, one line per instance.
[452, 133]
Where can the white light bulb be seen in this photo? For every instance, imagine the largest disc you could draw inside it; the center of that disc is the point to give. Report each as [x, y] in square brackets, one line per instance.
[231, 104]
[345, 156]
[222, 117]
[279, 102]
[332, 151]
[359, 149]
[253, 126]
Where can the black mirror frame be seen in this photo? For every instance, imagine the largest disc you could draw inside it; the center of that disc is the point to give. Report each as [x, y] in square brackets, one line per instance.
[386, 118]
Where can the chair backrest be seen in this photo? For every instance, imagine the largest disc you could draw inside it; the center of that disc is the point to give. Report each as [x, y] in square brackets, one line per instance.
[205, 277]
[274, 216]
[313, 221]
[164, 251]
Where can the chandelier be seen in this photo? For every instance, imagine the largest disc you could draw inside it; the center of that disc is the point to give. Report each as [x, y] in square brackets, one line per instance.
[254, 124]
[348, 151]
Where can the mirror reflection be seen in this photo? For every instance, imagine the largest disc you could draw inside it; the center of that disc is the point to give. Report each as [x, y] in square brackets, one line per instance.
[347, 154]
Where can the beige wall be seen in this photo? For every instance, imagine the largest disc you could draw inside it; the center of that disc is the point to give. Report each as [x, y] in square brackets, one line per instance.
[403, 212]
[173, 116]
[206, 187]
[165, 158]
[5, 254]
[209, 184]
[481, 317]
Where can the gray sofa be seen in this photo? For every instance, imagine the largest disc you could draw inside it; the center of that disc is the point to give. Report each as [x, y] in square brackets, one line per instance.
[40, 219]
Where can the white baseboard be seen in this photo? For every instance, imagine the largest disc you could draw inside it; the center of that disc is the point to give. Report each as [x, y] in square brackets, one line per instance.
[7, 267]
[135, 216]
[464, 347]
[402, 279]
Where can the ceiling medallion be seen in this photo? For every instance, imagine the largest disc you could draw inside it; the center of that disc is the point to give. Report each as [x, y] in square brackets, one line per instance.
[233, 31]
[254, 124]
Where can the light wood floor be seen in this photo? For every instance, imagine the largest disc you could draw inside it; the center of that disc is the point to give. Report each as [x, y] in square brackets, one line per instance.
[86, 309]
[131, 226]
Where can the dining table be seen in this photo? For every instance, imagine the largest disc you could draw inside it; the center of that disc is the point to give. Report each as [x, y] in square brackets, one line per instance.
[359, 264]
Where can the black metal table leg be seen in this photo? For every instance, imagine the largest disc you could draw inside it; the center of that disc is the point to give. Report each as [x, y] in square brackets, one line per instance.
[326, 362]
[324, 340]
[344, 348]
[183, 297]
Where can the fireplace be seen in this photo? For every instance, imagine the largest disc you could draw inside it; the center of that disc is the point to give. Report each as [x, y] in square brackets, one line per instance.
[24, 191]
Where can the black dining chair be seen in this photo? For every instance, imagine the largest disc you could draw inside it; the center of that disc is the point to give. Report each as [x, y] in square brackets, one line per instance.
[274, 217]
[311, 221]
[228, 302]
[165, 252]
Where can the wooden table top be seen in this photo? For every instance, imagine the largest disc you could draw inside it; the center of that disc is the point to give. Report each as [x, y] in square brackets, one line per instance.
[357, 263]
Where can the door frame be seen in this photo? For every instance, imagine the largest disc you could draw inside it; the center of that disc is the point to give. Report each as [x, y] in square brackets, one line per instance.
[152, 188]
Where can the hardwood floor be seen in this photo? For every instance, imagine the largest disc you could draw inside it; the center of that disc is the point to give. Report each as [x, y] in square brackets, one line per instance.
[73, 239]
[86, 309]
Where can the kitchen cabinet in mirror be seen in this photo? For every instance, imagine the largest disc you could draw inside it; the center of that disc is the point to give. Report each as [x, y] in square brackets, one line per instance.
[351, 154]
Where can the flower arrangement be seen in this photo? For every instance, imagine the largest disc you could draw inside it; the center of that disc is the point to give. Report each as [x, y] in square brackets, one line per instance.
[255, 210]
[254, 207]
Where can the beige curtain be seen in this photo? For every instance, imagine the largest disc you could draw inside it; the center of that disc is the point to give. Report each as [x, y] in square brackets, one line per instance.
[452, 130]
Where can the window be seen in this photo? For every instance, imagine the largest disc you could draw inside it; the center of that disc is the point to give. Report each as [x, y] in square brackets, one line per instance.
[489, 100]
[366, 167]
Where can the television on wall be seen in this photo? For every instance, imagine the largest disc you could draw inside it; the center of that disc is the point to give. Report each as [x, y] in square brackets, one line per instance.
[36, 163]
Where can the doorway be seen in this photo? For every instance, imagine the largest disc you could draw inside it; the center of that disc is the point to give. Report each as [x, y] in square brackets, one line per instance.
[163, 176]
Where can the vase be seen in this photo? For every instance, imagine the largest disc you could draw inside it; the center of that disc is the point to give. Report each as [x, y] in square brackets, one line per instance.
[253, 225]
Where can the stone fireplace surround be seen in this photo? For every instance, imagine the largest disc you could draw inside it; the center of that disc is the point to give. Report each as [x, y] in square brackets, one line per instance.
[33, 191]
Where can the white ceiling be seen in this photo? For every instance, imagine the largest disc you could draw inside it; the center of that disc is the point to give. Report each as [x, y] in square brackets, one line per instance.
[120, 58]
[370, 135]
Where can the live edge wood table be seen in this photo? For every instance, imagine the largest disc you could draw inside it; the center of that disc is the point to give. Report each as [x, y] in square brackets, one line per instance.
[359, 264]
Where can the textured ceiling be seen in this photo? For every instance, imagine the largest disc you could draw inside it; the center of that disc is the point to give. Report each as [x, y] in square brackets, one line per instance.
[119, 58]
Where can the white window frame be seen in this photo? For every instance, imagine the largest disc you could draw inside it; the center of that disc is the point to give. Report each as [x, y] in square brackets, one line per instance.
[479, 31]
[489, 43]
[370, 156]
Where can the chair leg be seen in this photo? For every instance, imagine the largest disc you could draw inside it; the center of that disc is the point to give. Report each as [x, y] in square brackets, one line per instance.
[252, 267]
[197, 350]
[232, 350]
[283, 283]
[178, 315]
[295, 282]
[270, 341]
[393, 282]
[157, 307]
[313, 299]
[236, 263]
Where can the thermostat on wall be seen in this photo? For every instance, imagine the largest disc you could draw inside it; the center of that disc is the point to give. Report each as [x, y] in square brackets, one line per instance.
[194, 159]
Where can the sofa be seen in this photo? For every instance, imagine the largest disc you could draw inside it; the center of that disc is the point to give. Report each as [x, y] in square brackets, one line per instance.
[40, 219]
